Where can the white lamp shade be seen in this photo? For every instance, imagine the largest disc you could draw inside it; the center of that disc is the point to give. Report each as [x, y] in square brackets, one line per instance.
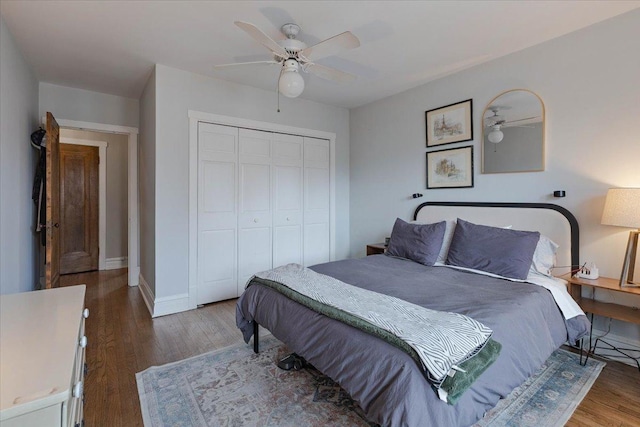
[291, 84]
[622, 207]
[495, 136]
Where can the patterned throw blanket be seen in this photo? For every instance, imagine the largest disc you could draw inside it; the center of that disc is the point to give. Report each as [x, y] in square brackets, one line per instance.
[442, 341]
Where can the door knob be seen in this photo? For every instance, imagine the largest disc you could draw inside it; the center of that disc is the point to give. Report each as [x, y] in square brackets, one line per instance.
[56, 225]
[255, 220]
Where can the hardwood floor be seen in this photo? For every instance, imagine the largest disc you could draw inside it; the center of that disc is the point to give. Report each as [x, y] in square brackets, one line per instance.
[123, 340]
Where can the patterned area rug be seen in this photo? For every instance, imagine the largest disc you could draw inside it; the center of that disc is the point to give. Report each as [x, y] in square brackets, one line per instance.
[235, 387]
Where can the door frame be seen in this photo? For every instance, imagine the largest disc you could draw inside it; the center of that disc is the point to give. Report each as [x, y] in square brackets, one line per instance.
[198, 116]
[132, 187]
[102, 194]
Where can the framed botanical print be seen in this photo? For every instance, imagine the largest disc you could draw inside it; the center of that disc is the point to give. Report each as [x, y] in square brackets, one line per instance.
[450, 168]
[449, 124]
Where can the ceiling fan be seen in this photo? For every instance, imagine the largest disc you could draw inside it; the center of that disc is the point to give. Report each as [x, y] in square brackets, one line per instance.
[497, 122]
[294, 55]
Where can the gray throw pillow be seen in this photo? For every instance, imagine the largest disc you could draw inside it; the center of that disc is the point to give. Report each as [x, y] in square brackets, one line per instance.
[495, 250]
[418, 242]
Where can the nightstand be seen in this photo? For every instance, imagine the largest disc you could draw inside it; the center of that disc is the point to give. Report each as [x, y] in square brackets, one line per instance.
[611, 310]
[376, 249]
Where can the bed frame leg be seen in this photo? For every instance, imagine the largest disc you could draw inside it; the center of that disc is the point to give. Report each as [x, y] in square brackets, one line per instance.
[256, 337]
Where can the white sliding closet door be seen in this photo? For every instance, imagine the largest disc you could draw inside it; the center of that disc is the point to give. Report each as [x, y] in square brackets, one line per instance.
[317, 198]
[255, 212]
[264, 200]
[217, 212]
[287, 163]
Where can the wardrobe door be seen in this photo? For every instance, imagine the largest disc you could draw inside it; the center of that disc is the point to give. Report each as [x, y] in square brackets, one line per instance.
[287, 188]
[255, 217]
[316, 201]
[217, 212]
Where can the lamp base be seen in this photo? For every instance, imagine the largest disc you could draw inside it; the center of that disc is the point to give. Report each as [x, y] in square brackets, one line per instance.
[626, 279]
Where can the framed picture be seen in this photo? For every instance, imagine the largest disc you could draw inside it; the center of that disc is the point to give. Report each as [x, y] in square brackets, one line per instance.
[450, 168]
[449, 124]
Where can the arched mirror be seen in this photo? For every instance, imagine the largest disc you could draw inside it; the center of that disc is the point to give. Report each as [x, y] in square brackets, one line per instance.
[513, 133]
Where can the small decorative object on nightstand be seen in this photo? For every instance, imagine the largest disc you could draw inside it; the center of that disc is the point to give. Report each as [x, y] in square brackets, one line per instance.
[622, 209]
[376, 249]
[611, 310]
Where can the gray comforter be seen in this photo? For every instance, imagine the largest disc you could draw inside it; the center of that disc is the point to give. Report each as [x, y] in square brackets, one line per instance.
[386, 382]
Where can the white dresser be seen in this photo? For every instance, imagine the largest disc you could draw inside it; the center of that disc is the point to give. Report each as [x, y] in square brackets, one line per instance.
[42, 357]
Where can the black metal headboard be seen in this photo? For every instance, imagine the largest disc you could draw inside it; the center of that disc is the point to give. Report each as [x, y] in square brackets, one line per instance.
[573, 222]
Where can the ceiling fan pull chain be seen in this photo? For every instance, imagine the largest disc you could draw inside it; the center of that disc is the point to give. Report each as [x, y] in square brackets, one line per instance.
[278, 88]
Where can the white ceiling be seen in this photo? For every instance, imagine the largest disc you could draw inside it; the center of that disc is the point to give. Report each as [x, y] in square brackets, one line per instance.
[111, 46]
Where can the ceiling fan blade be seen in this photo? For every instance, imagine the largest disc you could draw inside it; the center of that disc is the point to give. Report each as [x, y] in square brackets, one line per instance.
[246, 63]
[258, 35]
[522, 120]
[329, 73]
[330, 46]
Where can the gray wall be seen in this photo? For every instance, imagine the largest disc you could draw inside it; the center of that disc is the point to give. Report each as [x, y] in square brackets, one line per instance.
[147, 182]
[589, 83]
[18, 118]
[87, 106]
[179, 91]
[116, 186]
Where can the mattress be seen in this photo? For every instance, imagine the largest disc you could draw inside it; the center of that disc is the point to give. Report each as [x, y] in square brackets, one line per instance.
[386, 382]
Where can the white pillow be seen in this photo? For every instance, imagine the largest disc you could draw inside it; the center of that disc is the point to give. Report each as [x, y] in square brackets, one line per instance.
[544, 257]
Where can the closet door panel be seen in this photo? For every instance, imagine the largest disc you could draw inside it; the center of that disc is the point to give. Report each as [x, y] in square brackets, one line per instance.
[317, 201]
[316, 243]
[287, 199]
[255, 205]
[217, 213]
[255, 195]
[254, 252]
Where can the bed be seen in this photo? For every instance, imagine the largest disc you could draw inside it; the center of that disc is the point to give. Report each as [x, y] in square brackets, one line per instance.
[387, 383]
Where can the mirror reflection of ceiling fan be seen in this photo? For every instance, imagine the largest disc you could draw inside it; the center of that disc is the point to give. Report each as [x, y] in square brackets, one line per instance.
[496, 122]
[294, 55]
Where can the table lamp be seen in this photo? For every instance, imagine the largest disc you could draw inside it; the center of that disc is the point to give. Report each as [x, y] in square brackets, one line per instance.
[622, 209]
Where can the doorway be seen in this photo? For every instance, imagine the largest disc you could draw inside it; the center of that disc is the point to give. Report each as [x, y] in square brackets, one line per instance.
[111, 213]
[79, 247]
[130, 171]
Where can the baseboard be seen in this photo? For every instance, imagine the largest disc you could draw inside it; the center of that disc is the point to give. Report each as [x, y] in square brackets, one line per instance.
[116, 263]
[147, 294]
[162, 306]
[171, 305]
[620, 342]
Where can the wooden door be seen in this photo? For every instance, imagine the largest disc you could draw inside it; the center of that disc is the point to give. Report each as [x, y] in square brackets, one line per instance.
[79, 208]
[52, 188]
[217, 213]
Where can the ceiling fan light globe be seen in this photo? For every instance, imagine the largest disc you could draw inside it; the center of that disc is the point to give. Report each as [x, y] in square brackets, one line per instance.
[291, 84]
[495, 136]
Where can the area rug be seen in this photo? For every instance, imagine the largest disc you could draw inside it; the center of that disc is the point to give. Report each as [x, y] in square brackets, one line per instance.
[235, 387]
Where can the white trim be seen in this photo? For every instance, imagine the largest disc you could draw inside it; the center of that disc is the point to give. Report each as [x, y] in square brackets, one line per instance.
[258, 125]
[147, 294]
[133, 200]
[116, 263]
[102, 193]
[193, 211]
[198, 116]
[170, 305]
[162, 306]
